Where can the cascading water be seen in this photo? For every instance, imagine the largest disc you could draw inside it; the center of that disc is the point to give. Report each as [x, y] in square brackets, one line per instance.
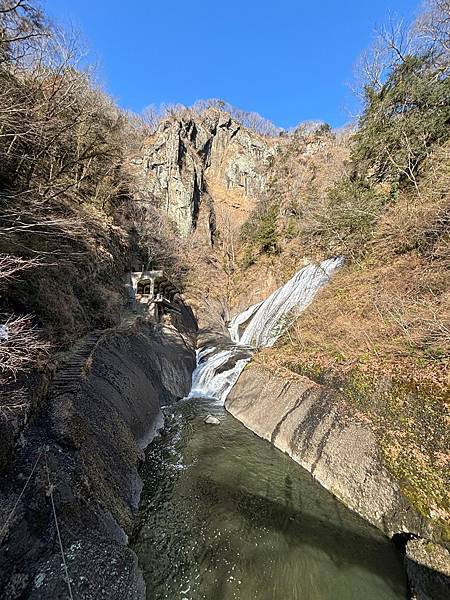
[226, 515]
[258, 326]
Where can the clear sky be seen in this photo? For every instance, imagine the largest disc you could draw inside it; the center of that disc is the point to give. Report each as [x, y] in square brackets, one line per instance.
[289, 60]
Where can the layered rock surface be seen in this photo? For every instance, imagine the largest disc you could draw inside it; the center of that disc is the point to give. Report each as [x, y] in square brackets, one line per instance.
[314, 425]
[103, 408]
[204, 169]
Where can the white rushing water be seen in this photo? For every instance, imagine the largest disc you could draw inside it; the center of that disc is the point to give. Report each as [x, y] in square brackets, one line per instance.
[258, 326]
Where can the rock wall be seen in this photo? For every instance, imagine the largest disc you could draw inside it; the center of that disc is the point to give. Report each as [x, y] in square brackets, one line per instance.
[321, 432]
[314, 425]
[428, 568]
[206, 168]
[103, 408]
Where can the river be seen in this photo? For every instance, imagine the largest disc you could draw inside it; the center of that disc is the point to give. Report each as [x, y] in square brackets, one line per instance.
[224, 515]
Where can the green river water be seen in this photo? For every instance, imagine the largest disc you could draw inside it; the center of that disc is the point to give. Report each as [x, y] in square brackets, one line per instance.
[224, 516]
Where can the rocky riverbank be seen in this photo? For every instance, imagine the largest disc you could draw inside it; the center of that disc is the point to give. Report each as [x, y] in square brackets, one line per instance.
[316, 427]
[102, 409]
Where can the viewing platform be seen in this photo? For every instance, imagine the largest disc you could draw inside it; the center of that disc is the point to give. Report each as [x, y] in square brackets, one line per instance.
[150, 292]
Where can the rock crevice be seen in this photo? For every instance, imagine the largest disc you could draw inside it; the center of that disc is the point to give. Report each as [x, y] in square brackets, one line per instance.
[191, 156]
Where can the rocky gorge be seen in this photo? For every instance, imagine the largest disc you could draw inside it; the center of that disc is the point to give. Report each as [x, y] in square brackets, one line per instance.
[224, 345]
[83, 450]
[102, 402]
[316, 424]
[103, 407]
[318, 429]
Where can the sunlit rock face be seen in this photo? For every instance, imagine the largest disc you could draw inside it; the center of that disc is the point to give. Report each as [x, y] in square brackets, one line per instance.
[205, 169]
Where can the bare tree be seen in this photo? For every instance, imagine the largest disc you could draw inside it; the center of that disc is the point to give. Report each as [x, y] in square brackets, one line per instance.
[11, 266]
[430, 34]
[62, 148]
[159, 243]
[20, 345]
[21, 25]
[433, 31]
[151, 117]
[391, 45]
[251, 120]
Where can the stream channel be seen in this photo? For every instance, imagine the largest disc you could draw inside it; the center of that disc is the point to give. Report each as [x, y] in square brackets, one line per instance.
[224, 515]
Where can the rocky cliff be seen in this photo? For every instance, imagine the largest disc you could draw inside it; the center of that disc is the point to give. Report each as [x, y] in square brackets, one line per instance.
[204, 169]
[83, 455]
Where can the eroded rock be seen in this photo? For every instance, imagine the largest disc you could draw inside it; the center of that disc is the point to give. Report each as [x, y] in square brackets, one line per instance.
[428, 567]
[204, 167]
[210, 420]
[315, 427]
[103, 408]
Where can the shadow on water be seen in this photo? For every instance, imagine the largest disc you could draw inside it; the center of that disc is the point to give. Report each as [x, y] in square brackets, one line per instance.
[344, 546]
[227, 516]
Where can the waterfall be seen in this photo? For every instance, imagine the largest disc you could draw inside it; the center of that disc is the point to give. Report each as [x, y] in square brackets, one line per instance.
[256, 327]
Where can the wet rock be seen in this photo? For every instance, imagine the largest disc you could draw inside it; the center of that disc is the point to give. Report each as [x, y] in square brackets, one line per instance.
[428, 567]
[96, 423]
[315, 426]
[210, 420]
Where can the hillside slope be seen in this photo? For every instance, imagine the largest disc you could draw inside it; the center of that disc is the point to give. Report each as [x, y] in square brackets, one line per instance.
[380, 196]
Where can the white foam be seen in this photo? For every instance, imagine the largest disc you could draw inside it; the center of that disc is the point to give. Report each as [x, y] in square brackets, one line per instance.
[258, 326]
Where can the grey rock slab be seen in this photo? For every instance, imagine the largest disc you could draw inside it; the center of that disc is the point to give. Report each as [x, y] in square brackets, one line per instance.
[210, 420]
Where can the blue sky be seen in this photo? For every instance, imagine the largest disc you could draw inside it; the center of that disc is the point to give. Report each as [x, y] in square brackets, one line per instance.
[288, 60]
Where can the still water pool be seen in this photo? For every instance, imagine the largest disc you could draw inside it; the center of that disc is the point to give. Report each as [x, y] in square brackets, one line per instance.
[224, 516]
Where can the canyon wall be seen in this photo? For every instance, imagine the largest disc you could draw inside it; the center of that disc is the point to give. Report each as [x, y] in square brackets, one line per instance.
[204, 169]
[317, 428]
[104, 406]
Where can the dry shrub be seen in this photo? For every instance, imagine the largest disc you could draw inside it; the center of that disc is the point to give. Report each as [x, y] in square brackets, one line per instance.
[297, 206]
[390, 305]
[306, 167]
[67, 227]
[393, 314]
[19, 345]
[158, 241]
[420, 220]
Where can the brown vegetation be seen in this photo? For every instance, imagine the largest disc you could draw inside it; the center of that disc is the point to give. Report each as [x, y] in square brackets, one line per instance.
[380, 196]
[70, 226]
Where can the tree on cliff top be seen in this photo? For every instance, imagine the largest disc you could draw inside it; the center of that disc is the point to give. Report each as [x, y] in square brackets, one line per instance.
[406, 96]
[153, 115]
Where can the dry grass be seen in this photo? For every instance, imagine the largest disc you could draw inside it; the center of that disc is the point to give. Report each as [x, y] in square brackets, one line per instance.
[380, 331]
[390, 307]
[396, 314]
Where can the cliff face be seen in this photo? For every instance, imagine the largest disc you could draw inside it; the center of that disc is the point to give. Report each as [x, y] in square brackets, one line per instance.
[204, 169]
[103, 408]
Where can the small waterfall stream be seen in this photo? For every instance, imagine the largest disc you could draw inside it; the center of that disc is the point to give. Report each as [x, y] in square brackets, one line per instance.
[256, 327]
[226, 516]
